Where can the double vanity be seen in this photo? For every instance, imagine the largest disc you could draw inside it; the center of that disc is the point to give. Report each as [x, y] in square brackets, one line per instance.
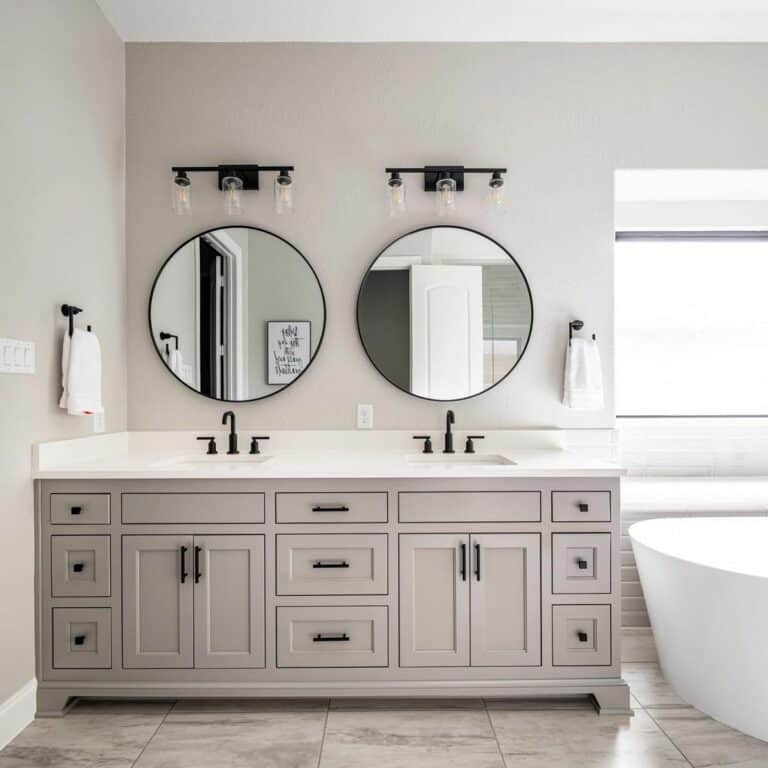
[342, 564]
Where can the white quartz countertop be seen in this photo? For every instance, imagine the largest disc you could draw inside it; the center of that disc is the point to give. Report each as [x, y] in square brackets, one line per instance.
[349, 455]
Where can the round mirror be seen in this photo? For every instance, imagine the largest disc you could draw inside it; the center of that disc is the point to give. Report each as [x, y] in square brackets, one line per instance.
[444, 313]
[237, 313]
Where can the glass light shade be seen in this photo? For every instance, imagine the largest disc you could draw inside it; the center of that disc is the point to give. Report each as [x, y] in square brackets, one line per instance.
[232, 189]
[283, 193]
[396, 195]
[496, 188]
[181, 194]
[446, 196]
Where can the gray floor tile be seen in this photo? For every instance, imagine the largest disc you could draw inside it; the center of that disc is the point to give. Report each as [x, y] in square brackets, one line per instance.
[249, 705]
[400, 704]
[705, 742]
[578, 703]
[649, 687]
[236, 740]
[407, 739]
[547, 739]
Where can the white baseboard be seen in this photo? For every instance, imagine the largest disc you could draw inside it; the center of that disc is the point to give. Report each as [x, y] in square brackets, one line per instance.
[637, 644]
[17, 712]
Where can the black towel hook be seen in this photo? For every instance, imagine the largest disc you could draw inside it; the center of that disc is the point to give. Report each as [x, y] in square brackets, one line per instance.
[69, 311]
[574, 325]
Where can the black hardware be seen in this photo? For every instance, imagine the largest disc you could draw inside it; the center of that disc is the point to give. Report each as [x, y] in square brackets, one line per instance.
[232, 433]
[255, 443]
[583, 506]
[463, 569]
[477, 562]
[75, 510]
[69, 311]
[78, 567]
[470, 446]
[164, 336]
[582, 563]
[449, 420]
[340, 638]
[331, 564]
[211, 444]
[340, 508]
[183, 560]
[574, 325]
[198, 550]
[432, 173]
[427, 442]
[583, 637]
[247, 173]
[79, 639]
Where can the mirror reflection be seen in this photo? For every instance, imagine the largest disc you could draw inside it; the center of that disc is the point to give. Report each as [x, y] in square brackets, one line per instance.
[237, 313]
[444, 313]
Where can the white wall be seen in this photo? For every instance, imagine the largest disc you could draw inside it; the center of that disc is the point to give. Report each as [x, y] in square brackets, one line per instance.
[62, 75]
[561, 117]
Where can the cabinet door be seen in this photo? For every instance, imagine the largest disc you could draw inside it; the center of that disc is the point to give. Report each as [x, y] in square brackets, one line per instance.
[506, 599]
[434, 600]
[229, 601]
[157, 602]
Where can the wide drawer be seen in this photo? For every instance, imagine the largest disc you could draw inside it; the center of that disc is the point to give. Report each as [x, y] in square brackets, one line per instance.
[470, 506]
[80, 566]
[332, 636]
[331, 507]
[581, 635]
[82, 638]
[332, 564]
[147, 508]
[80, 508]
[581, 563]
[581, 506]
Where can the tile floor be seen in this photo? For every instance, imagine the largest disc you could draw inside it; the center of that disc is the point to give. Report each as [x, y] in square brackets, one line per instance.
[664, 731]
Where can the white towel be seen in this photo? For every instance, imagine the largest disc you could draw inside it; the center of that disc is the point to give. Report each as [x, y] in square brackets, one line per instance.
[81, 374]
[176, 362]
[583, 389]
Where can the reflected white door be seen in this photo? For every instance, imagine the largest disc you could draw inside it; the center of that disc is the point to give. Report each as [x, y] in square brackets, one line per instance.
[446, 331]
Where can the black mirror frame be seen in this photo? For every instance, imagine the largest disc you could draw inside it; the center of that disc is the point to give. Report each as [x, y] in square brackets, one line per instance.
[154, 286]
[360, 333]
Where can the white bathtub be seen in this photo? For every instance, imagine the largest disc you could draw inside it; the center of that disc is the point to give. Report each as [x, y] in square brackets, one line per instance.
[706, 586]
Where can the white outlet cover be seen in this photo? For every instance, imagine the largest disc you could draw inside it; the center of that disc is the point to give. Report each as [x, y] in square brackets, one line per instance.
[98, 422]
[17, 356]
[364, 416]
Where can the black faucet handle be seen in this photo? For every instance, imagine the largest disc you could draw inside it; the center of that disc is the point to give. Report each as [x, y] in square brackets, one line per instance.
[427, 442]
[255, 442]
[470, 446]
[211, 444]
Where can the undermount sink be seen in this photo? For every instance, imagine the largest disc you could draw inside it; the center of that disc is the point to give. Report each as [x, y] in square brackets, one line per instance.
[221, 463]
[448, 460]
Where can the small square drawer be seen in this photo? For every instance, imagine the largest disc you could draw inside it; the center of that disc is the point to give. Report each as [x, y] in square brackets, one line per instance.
[82, 638]
[80, 508]
[331, 507]
[332, 564]
[80, 566]
[581, 635]
[581, 506]
[581, 563]
[332, 636]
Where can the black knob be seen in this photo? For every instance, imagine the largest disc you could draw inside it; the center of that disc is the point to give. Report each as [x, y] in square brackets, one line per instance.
[470, 446]
[79, 639]
[78, 567]
[75, 510]
[211, 444]
[582, 636]
[427, 442]
[582, 563]
[583, 507]
[255, 443]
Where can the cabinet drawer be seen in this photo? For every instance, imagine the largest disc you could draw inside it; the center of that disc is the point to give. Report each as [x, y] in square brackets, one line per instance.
[470, 506]
[332, 637]
[82, 638]
[581, 506]
[581, 563]
[331, 507]
[80, 508]
[80, 566]
[332, 564]
[581, 635]
[150, 508]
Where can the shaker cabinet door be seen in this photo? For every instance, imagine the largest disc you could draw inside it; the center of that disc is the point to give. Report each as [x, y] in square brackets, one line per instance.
[434, 600]
[157, 602]
[506, 599]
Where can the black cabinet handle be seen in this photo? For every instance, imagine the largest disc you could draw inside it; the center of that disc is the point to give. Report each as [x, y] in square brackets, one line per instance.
[183, 561]
[463, 569]
[343, 637]
[331, 564]
[477, 562]
[582, 563]
[583, 506]
[198, 550]
[79, 639]
[583, 637]
[75, 510]
[338, 508]
[78, 567]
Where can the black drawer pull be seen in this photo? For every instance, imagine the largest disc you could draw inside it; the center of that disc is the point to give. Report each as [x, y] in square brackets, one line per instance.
[183, 561]
[331, 564]
[75, 510]
[582, 563]
[338, 508]
[79, 639]
[340, 638]
[78, 567]
[583, 637]
[583, 506]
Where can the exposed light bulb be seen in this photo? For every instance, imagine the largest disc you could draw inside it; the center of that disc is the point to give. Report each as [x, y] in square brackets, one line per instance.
[181, 194]
[496, 187]
[446, 196]
[232, 188]
[283, 193]
[396, 194]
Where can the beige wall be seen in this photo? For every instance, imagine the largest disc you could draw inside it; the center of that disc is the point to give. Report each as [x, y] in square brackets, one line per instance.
[62, 75]
[561, 117]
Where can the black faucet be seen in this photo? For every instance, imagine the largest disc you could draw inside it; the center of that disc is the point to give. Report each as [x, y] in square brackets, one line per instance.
[449, 419]
[232, 432]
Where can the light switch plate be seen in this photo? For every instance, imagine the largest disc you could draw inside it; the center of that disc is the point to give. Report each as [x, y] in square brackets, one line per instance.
[364, 416]
[17, 356]
[98, 422]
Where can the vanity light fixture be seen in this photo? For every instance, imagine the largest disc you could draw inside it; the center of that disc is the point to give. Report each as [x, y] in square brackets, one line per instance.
[496, 187]
[396, 194]
[233, 179]
[446, 194]
[283, 192]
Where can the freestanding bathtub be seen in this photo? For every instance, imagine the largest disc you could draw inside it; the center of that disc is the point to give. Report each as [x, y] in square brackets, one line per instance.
[706, 586]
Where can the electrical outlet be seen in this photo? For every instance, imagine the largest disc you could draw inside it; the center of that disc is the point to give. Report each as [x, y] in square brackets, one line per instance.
[98, 422]
[364, 416]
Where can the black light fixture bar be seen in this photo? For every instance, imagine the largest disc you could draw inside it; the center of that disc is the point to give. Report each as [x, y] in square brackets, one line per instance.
[249, 173]
[432, 173]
